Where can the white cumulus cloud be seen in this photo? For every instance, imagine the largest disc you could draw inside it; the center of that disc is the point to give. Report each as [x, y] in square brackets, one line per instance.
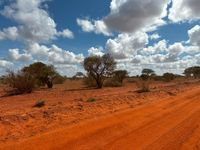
[66, 33]
[93, 51]
[194, 35]
[14, 55]
[184, 10]
[97, 26]
[34, 23]
[126, 45]
[5, 64]
[134, 15]
[10, 33]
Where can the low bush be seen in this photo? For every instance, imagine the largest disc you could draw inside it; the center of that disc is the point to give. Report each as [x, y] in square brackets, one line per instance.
[19, 83]
[120, 75]
[111, 82]
[132, 79]
[44, 74]
[59, 79]
[91, 100]
[143, 85]
[89, 81]
[1, 79]
[167, 77]
[158, 78]
[39, 103]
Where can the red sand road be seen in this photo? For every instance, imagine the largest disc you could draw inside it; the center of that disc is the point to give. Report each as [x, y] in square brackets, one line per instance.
[172, 123]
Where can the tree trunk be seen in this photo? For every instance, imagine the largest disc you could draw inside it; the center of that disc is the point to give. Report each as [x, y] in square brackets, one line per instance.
[49, 84]
[99, 83]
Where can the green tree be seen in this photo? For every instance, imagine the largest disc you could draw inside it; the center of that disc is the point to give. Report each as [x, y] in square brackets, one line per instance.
[147, 74]
[99, 67]
[78, 75]
[44, 74]
[168, 77]
[120, 75]
[192, 72]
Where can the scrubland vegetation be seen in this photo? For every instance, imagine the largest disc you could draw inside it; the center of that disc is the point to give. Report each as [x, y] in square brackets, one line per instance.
[100, 72]
[31, 77]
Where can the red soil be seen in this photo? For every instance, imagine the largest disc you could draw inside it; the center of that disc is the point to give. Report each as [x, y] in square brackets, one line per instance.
[120, 118]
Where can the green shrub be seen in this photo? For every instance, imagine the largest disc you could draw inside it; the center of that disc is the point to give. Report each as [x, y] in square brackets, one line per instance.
[59, 79]
[89, 81]
[91, 100]
[132, 79]
[120, 75]
[19, 83]
[44, 74]
[167, 77]
[39, 103]
[111, 82]
[158, 78]
[144, 85]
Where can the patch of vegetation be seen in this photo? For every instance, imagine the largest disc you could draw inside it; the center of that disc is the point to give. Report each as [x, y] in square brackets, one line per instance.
[132, 79]
[90, 100]
[192, 72]
[89, 81]
[39, 104]
[59, 79]
[78, 75]
[19, 83]
[120, 75]
[44, 74]
[167, 77]
[148, 73]
[99, 68]
[111, 82]
[144, 86]
[117, 78]
[145, 79]
[30, 77]
[2, 79]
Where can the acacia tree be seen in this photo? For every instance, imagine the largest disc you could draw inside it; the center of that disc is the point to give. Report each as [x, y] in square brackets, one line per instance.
[78, 75]
[120, 75]
[44, 74]
[99, 67]
[168, 76]
[192, 72]
[147, 74]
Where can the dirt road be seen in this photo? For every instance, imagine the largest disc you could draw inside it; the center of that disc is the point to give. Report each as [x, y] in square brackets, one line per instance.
[170, 124]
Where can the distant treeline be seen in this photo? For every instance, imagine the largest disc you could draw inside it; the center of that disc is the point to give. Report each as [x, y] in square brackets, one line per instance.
[100, 71]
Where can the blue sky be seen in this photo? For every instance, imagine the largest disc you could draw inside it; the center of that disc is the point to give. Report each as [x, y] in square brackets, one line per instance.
[162, 35]
[64, 14]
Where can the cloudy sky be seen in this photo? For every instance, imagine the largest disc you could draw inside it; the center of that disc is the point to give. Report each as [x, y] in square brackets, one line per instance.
[160, 34]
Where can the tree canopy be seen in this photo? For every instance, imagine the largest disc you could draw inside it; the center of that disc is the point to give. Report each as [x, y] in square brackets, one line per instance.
[99, 67]
[192, 72]
[120, 75]
[42, 72]
[147, 74]
[168, 76]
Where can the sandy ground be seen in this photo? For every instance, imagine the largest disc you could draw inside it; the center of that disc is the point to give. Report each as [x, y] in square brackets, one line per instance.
[168, 117]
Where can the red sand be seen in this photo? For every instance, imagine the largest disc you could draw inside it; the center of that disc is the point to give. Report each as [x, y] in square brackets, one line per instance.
[166, 118]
